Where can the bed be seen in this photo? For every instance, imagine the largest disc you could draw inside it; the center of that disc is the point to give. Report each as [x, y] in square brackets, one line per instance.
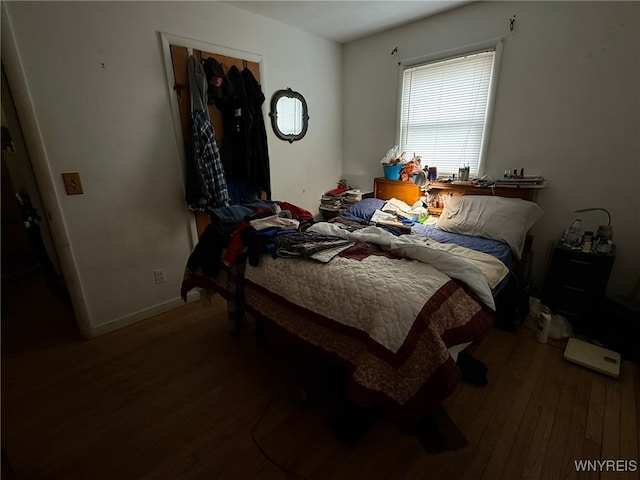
[391, 307]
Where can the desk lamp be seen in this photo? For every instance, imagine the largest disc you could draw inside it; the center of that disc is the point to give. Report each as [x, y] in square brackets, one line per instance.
[421, 177]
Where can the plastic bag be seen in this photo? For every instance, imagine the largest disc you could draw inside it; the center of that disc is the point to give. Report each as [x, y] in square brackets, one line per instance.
[560, 326]
[390, 156]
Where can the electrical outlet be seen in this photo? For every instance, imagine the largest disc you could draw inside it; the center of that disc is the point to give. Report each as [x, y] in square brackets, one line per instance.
[158, 275]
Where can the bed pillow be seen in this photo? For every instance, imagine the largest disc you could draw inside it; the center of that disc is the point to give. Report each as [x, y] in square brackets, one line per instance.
[498, 218]
[363, 210]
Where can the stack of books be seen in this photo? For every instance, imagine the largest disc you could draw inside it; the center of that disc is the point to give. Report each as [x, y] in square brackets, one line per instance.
[331, 203]
[340, 202]
[350, 197]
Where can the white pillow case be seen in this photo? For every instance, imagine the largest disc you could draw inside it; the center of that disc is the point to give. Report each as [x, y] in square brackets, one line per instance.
[498, 218]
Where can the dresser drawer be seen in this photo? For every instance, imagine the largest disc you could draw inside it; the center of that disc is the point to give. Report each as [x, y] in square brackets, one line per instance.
[386, 189]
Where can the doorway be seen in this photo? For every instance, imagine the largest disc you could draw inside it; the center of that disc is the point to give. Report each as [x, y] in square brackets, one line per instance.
[35, 303]
[176, 51]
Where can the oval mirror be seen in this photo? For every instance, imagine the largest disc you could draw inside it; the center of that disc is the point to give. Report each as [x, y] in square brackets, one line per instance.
[289, 116]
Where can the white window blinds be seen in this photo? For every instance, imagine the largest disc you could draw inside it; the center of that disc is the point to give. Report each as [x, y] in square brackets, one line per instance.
[444, 111]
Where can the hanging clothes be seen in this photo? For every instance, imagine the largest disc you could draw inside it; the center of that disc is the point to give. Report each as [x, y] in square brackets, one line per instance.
[206, 187]
[259, 175]
[237, 121]
[244, 153]
[236, 149]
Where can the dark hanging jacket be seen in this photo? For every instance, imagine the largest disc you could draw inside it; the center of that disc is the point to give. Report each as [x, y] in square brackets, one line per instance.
[259, 175]
[237, 120]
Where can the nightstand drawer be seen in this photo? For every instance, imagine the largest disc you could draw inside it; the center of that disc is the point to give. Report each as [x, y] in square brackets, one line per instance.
[571, 300]
[576, 281]
[569, 290]
[581, 270]
[578, 267]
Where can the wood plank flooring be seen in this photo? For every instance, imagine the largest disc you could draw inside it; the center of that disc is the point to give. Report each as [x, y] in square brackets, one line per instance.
[176, 396]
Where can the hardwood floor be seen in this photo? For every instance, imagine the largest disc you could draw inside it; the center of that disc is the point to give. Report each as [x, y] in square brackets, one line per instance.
[177, 397]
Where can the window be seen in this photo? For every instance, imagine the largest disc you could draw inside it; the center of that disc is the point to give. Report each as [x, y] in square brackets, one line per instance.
[444, 111]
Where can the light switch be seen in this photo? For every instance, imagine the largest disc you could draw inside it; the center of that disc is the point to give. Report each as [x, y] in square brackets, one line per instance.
[72, 183]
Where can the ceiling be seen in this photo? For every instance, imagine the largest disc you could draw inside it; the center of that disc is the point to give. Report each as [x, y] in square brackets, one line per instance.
[342, 21]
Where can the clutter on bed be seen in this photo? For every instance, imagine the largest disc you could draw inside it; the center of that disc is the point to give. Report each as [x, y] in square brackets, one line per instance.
[374, 211]
[391, 213]
[386, 307]
[397, 213]
[362, 211]
[493, 257]
[512, 293]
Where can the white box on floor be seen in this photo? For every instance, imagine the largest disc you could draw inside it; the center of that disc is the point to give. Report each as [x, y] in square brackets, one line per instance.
[594, 357]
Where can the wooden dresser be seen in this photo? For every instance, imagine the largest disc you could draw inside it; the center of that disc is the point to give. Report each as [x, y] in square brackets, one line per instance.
[386, 189]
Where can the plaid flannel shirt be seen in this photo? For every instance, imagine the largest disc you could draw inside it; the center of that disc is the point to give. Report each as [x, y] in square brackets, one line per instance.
[210, 172]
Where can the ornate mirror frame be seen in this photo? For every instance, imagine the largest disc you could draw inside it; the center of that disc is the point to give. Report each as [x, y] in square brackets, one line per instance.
[274, 115]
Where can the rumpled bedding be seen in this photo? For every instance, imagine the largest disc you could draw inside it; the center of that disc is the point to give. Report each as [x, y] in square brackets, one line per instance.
[387, 307]
[409, 246]
[390, 315]
[496, 248]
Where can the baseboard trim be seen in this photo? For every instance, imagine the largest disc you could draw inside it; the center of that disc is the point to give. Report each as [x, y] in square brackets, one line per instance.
[140, 315]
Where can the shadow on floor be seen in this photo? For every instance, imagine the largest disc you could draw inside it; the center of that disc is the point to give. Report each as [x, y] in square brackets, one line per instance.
[33, 315]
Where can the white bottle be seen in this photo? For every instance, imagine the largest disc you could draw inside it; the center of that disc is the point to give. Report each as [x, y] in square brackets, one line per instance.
[574, 234]
[544, 323]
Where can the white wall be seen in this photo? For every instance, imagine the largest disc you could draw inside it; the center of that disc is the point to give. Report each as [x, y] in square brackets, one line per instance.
[567, 107]
[89, 80]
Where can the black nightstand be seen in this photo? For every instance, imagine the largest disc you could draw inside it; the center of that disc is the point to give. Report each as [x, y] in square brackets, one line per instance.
[575, 285]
